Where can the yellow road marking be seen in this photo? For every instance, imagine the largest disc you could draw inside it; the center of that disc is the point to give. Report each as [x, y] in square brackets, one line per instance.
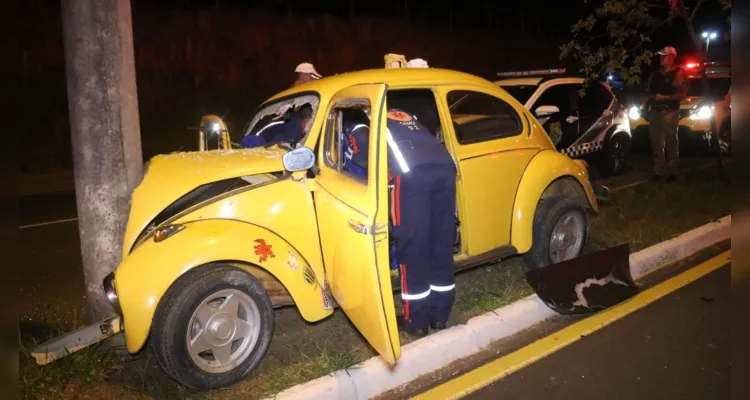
[495, 370]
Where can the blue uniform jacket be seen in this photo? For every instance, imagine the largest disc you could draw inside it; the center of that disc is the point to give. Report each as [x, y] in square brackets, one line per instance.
[410, 144]
[289, 130]
[357, 138]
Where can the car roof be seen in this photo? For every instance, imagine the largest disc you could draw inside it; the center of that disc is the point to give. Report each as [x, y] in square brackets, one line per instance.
[330, 85]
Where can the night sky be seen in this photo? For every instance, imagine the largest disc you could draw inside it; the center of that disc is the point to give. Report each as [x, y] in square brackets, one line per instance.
[553, 17]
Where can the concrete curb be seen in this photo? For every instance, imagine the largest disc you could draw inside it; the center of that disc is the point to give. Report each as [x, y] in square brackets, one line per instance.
[374, 377]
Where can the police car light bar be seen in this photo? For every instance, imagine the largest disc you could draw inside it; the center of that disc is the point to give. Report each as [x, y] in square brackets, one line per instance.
[554, 71]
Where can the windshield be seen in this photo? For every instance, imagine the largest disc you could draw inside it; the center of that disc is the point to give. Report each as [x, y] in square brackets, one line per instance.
[718, 87]
[305, 106]
[522, 93]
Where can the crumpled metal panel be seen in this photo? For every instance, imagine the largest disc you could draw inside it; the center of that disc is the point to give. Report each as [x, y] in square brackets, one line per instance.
[586, 284]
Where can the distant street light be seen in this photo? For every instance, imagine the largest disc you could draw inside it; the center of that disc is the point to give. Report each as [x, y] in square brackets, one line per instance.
[708, 36]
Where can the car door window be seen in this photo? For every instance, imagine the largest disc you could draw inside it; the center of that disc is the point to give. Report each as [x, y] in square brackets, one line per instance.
[341, 150]
[563, 96]
[596, 100]
[481, 117]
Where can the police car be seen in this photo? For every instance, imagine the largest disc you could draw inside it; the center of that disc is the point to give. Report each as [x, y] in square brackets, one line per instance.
[594, 127]
[696, 110]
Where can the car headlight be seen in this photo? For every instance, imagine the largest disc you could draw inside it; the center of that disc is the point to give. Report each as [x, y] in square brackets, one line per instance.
[634, 113]
[703, 112]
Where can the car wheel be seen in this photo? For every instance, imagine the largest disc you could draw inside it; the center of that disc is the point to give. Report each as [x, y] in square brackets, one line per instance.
[560, 232]
[725, 138]
[213, 327]
[614, 157]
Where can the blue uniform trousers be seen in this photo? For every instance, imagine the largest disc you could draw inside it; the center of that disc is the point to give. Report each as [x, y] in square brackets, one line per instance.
[423, 205]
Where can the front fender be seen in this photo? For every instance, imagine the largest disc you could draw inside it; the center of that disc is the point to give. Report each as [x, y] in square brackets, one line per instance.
[544, 169]
[148, 272]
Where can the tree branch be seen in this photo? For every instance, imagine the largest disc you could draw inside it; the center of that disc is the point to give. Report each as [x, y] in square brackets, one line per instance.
[649, 5]
[695, 10]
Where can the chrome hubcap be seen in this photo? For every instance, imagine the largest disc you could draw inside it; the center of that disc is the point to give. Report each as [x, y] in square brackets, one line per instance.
[223, 330]
[566, 241]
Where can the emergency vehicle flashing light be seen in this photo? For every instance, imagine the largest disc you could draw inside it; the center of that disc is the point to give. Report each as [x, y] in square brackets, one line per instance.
[713, 67]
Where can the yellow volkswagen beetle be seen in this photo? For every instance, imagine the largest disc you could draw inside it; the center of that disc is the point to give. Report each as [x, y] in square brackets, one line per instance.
[217, 239]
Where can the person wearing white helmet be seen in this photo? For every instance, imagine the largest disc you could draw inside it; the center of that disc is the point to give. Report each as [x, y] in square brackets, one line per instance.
[306, 73]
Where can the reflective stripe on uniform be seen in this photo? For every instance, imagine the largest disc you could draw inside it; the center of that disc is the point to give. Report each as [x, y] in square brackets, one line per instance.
[265, 127]
[396, 202]
[397, 152]
[417, 296]
[443, 288]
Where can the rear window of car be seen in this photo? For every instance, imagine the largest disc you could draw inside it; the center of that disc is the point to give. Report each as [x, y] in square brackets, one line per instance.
[479, 117]
[522, 93]
[596, 99]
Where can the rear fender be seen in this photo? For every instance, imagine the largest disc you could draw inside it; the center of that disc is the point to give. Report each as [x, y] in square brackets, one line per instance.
[549, 173]
[145, 276]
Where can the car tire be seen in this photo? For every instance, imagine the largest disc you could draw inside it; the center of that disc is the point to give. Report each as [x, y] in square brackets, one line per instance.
[615, 154]
[211, 306]
[550, 213]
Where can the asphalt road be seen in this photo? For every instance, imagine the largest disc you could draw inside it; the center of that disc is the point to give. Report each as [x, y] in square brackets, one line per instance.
[675, 348]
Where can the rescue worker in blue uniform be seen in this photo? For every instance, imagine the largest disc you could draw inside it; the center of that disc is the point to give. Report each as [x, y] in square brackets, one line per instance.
[423, 205]
[287, 128]
[357, 136]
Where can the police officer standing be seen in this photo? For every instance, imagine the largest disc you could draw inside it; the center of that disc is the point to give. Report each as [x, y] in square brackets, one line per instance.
[666, 87]
[423, 204]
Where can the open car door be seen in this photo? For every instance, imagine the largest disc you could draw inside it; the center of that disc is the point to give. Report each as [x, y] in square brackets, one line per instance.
[352, 216]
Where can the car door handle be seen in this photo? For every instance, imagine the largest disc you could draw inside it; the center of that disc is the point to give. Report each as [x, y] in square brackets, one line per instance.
[358, 226]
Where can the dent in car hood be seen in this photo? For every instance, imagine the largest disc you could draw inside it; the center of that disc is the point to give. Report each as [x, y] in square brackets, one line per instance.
[171, 176]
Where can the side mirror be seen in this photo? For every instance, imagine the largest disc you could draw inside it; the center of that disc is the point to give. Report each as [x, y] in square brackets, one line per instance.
[213, 128]
[299, 159]
[543, 111]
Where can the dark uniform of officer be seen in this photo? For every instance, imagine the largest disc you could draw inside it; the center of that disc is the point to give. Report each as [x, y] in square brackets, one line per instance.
[666, 87]
[423, 204]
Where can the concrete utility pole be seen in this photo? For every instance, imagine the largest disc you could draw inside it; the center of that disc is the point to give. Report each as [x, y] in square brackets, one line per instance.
[106, 139]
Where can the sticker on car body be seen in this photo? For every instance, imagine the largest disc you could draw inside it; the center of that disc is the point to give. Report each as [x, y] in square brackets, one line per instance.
[293, 261]
[263, 250]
